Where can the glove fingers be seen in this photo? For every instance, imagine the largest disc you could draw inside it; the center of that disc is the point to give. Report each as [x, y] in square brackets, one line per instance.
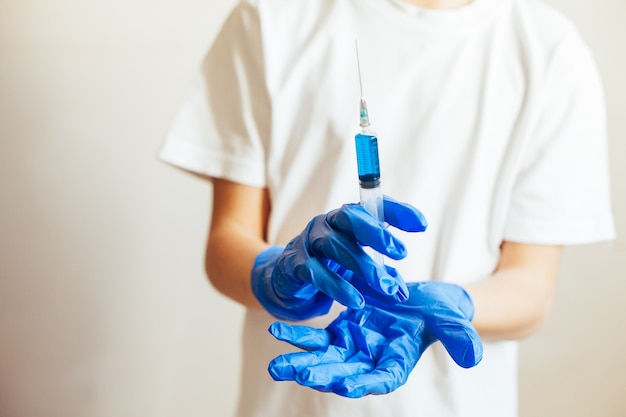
[356, 386]
[287, 366]
[391, 290]
[325, 377]
[333, 285]
[460, 340]
[403, 216]
[303, 337]
[358, 224]
[351, 256]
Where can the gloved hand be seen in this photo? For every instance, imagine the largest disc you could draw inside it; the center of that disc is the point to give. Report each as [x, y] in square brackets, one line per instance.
[295, 283]
[373, 350]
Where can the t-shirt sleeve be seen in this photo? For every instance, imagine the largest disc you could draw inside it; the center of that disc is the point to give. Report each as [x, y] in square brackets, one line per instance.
[562, 193]
[222, 128]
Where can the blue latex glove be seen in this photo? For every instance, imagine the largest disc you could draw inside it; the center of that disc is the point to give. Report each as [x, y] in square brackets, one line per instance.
[373, 350]
[295, 282]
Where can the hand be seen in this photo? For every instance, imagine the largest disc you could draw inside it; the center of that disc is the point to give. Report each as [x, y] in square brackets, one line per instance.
[296, 283]
[374, 349]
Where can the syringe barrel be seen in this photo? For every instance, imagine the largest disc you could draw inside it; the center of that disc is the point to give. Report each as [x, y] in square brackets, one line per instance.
[372, 201]
[369, 181]
[367, 159]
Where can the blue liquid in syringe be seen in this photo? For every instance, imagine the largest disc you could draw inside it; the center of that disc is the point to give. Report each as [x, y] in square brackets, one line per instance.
[367, 160]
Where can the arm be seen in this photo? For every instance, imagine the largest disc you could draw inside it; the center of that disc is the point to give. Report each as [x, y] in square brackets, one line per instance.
[518, 297]
[236, 237]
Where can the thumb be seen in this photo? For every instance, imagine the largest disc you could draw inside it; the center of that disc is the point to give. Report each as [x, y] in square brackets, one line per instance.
[303, 337]
[459, 338]
[403, 216]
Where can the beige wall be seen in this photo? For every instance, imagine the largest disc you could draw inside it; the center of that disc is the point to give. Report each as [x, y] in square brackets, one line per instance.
[104, 309]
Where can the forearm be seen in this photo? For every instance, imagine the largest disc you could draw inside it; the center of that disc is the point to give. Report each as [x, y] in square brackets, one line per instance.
[507, 307]
[514, 301]
[230, 255]
[236, 237]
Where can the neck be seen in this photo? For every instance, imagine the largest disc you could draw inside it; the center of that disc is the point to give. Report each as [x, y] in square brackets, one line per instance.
[439, 4]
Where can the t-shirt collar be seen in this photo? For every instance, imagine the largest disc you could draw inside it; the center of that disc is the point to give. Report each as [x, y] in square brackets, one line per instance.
[440, 21]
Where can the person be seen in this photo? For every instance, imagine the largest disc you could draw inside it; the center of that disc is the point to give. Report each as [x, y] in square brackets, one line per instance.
[491, 121]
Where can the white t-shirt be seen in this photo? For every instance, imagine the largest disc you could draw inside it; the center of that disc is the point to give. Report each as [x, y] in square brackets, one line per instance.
[490, 120]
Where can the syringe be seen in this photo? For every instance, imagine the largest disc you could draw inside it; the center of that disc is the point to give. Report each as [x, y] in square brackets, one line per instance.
[368, 165]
